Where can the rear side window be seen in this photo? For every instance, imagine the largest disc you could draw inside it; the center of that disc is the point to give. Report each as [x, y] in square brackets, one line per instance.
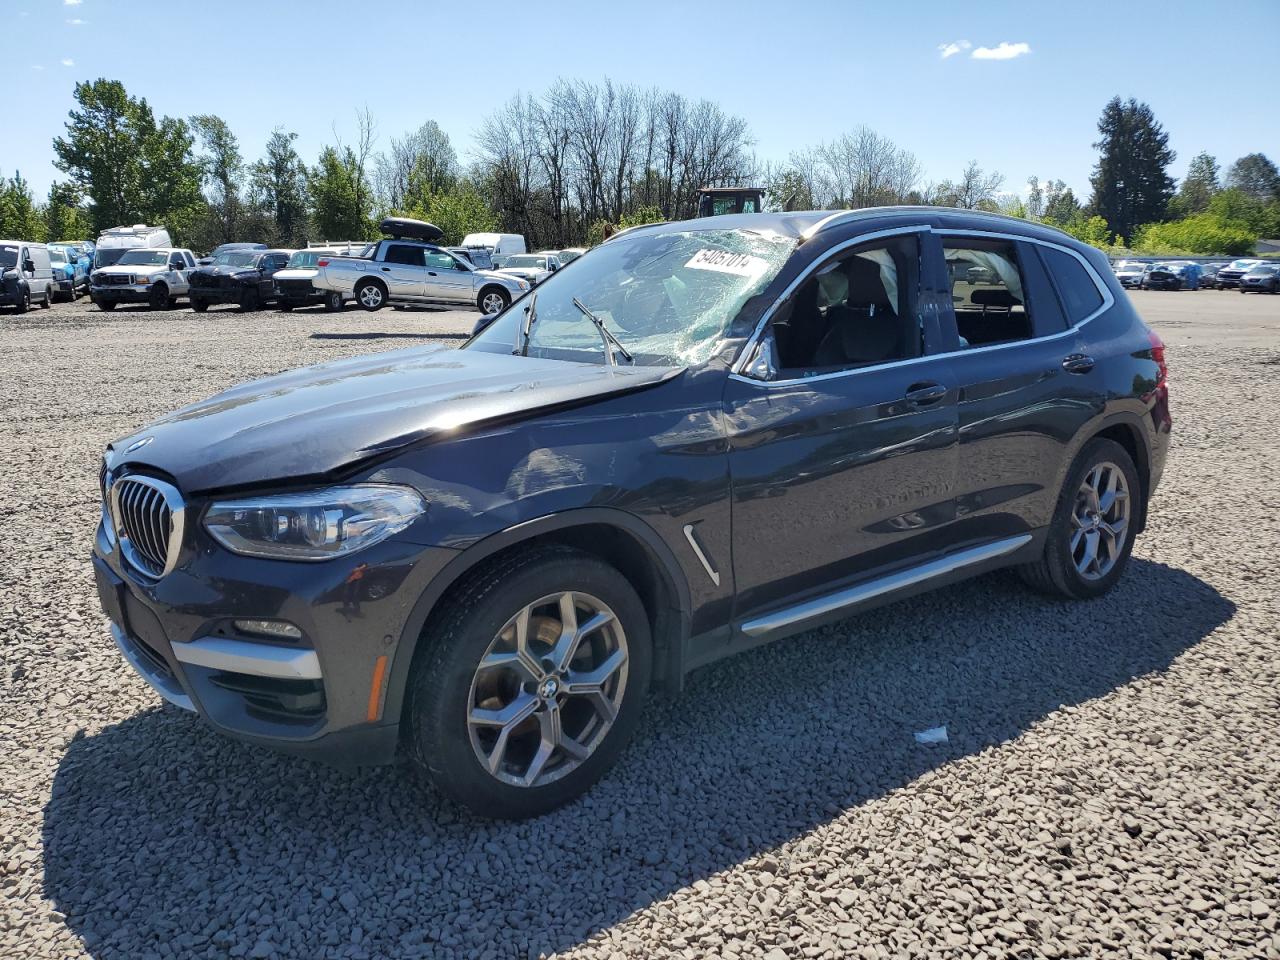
[988, 292]
[1080, 295]
[399, 253]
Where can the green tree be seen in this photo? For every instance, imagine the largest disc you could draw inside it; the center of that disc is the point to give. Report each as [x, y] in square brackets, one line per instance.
[1198, 186]
[1255, 175]
[221, 168]
[337, 211]
[1092, 230]
[66, 215]
[1202, 233]
[1131, 183]
[1235, 205]
[1061, 206]
[457, 212]
[278, 188]
[130, 166]
[20, 217]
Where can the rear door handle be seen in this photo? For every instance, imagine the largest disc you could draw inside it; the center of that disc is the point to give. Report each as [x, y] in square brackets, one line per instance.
[386, 269]
[1077, 363]
[922, 394]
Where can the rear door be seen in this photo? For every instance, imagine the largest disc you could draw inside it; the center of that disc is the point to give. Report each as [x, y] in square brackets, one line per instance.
[842, 455]
[404, 271]
[1026, 384]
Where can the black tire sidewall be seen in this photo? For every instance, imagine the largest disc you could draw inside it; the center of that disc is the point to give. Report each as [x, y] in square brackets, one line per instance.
[1058, 546]
[441, 682]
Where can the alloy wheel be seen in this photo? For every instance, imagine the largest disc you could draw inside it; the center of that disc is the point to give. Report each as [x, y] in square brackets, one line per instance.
[1100, 521]
[548, 689]
[492, 303]
[371, 296]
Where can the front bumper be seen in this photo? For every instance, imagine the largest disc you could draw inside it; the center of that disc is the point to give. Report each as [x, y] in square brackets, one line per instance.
[130, 293]
[320, 696]
[1227, 281]
[218, 294]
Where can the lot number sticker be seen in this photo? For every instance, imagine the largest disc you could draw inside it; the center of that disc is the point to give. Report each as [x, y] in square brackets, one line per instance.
[722, 261]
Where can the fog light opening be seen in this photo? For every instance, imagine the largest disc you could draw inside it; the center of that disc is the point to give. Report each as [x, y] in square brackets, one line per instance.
[276, 629]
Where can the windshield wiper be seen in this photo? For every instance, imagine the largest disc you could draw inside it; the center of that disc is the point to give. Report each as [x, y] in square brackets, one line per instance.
[530, 317]
[610, 341]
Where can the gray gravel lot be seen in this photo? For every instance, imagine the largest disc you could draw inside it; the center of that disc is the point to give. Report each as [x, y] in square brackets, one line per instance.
[1111, 786]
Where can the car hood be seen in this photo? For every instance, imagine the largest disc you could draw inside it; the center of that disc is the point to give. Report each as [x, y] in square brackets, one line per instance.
[308, 424]
[221, 270]
[494, 275]
[129, 269]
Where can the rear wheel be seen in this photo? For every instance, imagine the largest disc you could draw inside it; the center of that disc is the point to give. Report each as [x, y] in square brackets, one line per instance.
[199, 306]
[1091, 534]
[47, 302]
[531, 683]
[371, 295]
[333, 301]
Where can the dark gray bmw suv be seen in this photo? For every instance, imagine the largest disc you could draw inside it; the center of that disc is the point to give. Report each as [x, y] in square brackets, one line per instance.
[701, 437]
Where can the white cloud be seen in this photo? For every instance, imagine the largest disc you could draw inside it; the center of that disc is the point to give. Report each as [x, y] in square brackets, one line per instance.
[1005, 51]
[77, 22]
[68, 62]
[951, 49]
[73, 3]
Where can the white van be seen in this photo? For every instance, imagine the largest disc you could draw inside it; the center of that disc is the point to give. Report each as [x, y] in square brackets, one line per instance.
[26, 275]
[499, 245]
[115, 241]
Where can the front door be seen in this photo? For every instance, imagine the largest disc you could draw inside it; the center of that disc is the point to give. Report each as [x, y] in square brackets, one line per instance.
[447, 279]
[842, 431]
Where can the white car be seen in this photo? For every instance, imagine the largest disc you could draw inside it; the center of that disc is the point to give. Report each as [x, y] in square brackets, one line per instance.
[1129, 272]
[534, 267]
[151, 275]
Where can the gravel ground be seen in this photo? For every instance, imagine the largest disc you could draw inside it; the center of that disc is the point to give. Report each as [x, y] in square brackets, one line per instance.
[1111, 784]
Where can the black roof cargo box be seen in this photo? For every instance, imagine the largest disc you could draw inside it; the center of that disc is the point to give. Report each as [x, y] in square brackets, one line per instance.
[402, 228]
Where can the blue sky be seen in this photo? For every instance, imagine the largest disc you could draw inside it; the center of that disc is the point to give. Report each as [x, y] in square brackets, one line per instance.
[799, 72]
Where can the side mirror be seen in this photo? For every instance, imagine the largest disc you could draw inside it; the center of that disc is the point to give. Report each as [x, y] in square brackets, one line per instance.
[29, 265]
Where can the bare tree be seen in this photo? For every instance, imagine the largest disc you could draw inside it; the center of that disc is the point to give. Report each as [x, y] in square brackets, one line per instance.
[421, 161]
[976, 188]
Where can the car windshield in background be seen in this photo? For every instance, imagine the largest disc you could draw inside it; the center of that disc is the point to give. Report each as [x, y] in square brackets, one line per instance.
[667, 297]
[107, 258]
[236, 258]
[538, 262]
[1264, 269]
[57, 256]
[8, 258]
[306, 258]
[143, 258]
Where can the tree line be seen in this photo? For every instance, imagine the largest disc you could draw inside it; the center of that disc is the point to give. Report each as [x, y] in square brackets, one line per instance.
[560, 165]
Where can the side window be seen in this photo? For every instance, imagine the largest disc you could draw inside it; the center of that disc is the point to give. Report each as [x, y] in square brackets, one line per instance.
[987, 291]
[856, 310]
[439, 261]
[1080, 295]
[401, 253]
[191, 261]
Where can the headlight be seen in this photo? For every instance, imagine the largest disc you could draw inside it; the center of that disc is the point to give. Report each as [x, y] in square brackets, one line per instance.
[315, 525]
[522, 284]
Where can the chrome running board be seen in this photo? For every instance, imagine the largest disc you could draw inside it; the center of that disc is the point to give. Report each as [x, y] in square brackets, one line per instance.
[792, 618]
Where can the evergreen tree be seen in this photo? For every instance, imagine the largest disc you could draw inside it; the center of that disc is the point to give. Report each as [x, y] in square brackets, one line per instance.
[222, 168]
[1198, 186]
[1131, 183]
[337, 211]
[278, 188]
[1255, 175]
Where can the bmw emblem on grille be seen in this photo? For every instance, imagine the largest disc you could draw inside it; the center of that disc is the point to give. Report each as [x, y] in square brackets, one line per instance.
[138, 444]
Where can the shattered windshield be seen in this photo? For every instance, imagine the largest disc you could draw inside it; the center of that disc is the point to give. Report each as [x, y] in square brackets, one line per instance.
[667, 297]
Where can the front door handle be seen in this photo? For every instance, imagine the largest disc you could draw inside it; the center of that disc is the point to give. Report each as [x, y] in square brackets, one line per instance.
[922, 394]
[431, 273]
[1077, 363]
[386, 269]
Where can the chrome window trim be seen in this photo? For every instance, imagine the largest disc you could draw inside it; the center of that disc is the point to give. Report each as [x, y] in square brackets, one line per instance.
[740, 364]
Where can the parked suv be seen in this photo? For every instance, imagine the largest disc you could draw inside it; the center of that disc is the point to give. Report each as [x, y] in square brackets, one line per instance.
[1260, 277]
[157, 276]
[1230, 275]
[243, 277]
[706, 435]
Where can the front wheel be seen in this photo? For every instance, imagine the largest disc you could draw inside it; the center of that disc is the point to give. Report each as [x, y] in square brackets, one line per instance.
[24, 302]
[159, 298]
[1091, 534]
[493, 300]
[530, 683]
[199, 306]
[371, 295]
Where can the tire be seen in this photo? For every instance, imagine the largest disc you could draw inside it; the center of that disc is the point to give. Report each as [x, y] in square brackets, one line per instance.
[1059, 572]
[333, 302]
[107, 305]
[447, 685]
[199, 306]
[24, 302]
[493, 300]
[371, 295]
[250, 301]
[159, 298]
[284, 306]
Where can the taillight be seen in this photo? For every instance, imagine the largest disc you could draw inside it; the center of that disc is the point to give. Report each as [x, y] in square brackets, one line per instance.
[322, 263]
[1157, 354]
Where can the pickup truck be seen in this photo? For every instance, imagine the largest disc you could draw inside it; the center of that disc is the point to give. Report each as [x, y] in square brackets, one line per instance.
[401, 270]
